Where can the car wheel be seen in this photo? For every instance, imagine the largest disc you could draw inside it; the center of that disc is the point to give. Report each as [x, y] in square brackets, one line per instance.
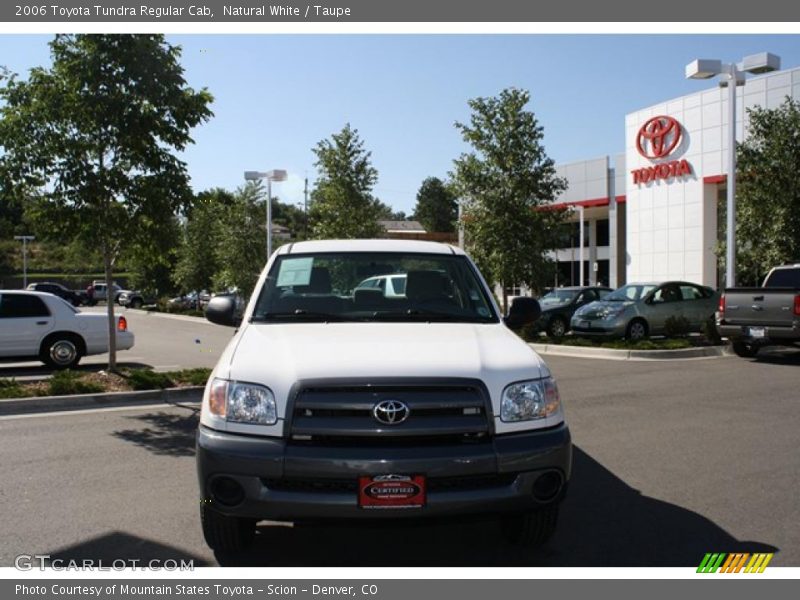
[135, 303]
[745, 350]
[61, 351]
[227, 535]
[532, 528]
[636, 330]
[556, 328]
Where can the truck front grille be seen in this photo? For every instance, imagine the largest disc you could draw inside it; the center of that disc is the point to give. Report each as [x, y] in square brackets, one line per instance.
[343, 415]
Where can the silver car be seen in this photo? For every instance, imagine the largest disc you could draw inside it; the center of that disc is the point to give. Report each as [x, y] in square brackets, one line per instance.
[638, 310]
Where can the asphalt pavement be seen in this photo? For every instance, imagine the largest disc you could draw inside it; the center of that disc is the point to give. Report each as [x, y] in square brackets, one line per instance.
[673, 459]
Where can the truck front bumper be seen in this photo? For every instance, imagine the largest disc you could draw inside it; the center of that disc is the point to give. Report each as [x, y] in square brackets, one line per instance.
[281, 481]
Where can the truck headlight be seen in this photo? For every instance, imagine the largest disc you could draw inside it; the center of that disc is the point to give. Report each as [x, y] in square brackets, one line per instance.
[243, 402]
[529, 400]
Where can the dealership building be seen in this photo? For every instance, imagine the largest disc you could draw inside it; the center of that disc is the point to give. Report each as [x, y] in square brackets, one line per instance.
[652, 212]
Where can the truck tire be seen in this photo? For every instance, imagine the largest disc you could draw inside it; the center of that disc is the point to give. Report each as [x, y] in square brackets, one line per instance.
[227, 535]
[61, 350]
[532, 528]
[745, 350]
[556, 328]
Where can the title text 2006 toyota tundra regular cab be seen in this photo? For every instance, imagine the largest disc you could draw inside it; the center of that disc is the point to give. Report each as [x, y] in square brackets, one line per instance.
[336, 400]
[756, 317]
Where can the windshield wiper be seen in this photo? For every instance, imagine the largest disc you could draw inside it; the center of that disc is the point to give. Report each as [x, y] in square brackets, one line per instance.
[299, 314]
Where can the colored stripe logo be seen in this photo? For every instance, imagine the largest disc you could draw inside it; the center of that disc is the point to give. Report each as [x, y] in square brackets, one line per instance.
[737, 562]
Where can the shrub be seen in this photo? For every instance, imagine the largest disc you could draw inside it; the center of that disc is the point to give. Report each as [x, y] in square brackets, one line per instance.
[710, 331]
[147, 379]
[191, 376]
[676, 326]
[9, 388]
[68, 382]
[530, 333]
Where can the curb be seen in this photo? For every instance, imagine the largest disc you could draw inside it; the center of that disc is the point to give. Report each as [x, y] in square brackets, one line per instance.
[41, 404]
[613, 354]
[174, 316]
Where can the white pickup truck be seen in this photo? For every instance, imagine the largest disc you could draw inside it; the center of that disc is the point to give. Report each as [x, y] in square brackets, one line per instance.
[334, 401]
[41, 326]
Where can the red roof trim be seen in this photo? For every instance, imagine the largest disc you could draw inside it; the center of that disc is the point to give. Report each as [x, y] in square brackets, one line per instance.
[621, 199]
[715, 179]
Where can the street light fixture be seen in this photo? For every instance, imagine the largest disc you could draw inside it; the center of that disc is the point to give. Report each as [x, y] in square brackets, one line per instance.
[755, 64]
[270, 176]
[24, 239]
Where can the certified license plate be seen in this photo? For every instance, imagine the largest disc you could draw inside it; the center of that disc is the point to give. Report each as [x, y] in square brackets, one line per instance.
[756, 332]
[391, 491]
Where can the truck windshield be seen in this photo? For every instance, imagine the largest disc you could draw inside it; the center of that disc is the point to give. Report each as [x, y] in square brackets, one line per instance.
[354, 286]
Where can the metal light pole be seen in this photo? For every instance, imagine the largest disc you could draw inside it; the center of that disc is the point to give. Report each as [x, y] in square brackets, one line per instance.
[270, 176]
[24, 239]
[732, 75]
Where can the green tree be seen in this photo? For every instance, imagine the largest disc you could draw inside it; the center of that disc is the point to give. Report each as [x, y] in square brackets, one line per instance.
[768, 192]
[342, 205]
[241, 251]
[436, 208]
[503, 184]
[198, 254]
[96, 132]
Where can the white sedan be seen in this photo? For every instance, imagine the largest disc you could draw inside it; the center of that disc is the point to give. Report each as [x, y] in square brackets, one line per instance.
[40, 326]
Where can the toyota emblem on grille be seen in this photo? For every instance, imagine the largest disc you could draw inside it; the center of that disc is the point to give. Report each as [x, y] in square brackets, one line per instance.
[390, 412]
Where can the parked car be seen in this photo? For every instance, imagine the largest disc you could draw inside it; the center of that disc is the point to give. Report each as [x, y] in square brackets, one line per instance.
[333, 401]
[188, 301]
[638, 310]
[57, 290]
[753, 318]
[136, 299]
[41, 326]
[560, 304]
[393, 286]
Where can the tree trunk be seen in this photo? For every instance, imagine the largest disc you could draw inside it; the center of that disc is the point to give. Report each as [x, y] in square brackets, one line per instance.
[112, 326]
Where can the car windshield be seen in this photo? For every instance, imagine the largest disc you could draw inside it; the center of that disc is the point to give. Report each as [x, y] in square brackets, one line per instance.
[352, 286]
[634, 291]
[559, 297]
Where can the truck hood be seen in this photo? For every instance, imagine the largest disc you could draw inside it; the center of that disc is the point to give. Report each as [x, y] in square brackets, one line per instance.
[278, 355]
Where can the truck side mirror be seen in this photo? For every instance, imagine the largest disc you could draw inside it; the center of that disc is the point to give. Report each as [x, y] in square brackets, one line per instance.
[222, 311]
[523, 311]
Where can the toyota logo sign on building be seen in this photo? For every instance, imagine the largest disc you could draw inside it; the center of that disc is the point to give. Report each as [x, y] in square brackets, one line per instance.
[657, 139]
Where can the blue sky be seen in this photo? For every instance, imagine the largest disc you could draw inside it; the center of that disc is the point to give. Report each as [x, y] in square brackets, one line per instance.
[276, 96]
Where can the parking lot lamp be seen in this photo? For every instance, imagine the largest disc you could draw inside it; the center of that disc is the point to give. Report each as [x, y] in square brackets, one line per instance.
[270, 176]
[732, 75]
[24, 239]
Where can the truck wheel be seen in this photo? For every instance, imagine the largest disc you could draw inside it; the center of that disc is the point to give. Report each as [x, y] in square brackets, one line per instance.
[532, 528]
[557, 328]
[745, 350]
[228, 535]
[61, 351]
[636, 330]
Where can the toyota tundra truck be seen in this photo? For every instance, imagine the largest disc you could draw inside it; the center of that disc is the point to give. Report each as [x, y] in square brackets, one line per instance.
[335, 400]
[753, 318]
